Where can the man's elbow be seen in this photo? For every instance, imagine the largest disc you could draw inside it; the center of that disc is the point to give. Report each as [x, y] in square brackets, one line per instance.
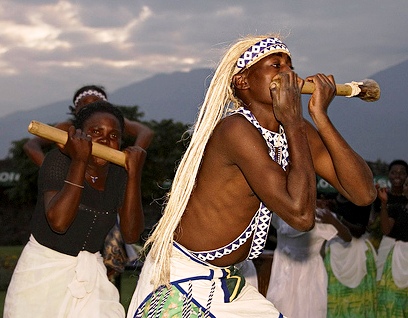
[305, 221]
[367, 197]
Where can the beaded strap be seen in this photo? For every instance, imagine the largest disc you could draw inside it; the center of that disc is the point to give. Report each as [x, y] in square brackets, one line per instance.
[278, 151]
[259, 225]
[277, 142]
[228, 249]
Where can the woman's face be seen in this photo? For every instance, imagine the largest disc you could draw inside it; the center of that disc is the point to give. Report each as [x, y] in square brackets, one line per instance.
[104, 129]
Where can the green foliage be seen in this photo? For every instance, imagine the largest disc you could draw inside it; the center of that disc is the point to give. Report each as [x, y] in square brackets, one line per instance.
[379, 167]
[25, 190]
[131, 112]
[162, 159]
[163, 154]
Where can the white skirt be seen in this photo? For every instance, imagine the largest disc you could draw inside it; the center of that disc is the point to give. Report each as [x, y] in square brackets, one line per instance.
[46, 283]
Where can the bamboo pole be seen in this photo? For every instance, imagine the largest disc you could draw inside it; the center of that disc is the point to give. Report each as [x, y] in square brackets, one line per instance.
[60, 136]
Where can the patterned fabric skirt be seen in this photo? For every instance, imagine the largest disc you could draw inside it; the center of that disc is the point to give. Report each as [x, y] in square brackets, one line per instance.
[392, 300]
[361, 301]
[197, 289]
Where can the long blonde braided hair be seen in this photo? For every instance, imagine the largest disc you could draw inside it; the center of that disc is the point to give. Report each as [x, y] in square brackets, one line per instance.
[218, 100]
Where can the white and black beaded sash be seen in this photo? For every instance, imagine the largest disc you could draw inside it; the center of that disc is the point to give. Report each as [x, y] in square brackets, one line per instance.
[259, 225]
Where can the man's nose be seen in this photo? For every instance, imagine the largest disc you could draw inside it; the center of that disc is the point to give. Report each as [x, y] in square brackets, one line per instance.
[285, 68]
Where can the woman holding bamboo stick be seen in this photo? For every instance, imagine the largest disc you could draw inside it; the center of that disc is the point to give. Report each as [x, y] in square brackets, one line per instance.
[61, 272]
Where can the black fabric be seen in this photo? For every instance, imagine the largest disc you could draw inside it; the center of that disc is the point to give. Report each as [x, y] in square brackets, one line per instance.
[396, 205]
[96, 214]
[399, 212]
[358, 215]
[392, 200]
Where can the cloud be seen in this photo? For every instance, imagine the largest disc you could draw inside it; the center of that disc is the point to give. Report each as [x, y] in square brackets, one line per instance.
[50, 48]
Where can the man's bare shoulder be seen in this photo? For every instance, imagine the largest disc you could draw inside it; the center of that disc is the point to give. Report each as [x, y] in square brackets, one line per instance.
[235, 140]
[238, 128]
[233, 121]
[235, 128]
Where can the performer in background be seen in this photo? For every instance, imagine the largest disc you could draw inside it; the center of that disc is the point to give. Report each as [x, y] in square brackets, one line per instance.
[351, 266]
[60, 272]
[392, 263]
[298, 281]
[82, 97]
[116, 254]
[251, 153]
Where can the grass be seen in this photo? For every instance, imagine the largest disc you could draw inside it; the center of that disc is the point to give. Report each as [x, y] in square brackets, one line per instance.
[128, 284]
[10, 254]
[8, 259]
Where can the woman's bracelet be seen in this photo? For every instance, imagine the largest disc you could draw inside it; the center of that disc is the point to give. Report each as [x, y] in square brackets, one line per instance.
[74, 184]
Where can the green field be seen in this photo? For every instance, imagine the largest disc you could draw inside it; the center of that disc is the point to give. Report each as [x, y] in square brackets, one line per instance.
[9, 256]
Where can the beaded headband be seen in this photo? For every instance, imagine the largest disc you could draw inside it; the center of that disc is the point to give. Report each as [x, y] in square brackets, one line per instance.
[258, 51]
[90, 92]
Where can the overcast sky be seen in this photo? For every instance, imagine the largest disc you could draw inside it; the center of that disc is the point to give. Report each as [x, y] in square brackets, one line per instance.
[48, 49]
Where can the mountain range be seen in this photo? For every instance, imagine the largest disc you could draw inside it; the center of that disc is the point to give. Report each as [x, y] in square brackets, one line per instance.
[376, 130]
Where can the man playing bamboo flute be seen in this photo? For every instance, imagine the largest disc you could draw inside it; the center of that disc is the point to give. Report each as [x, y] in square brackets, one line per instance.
[252, 154]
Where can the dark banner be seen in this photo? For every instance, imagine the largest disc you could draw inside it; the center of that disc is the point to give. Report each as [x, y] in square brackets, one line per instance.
[8, 178]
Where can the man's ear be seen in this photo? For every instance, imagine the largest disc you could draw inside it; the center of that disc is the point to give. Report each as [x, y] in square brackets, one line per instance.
[240, 81]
